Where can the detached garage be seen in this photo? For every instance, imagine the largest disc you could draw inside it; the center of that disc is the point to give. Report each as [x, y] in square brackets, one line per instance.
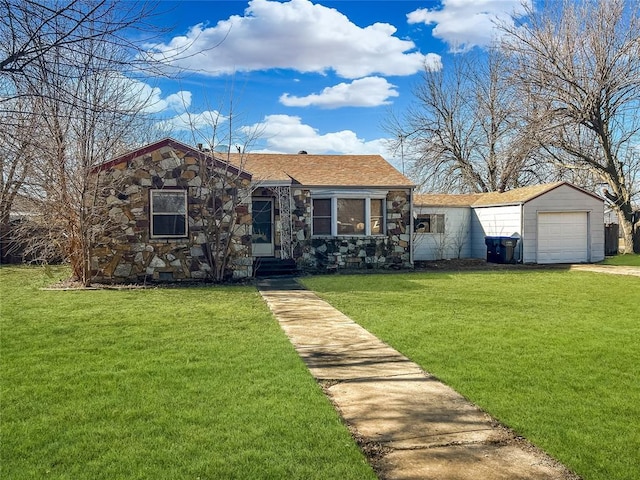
[554, 223]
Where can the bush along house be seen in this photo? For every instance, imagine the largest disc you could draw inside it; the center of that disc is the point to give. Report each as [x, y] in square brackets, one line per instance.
[172, 212]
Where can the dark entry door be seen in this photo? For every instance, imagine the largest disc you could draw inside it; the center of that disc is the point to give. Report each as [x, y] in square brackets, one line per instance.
[262, 237]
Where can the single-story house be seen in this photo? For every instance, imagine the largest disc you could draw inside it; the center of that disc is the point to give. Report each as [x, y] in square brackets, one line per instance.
[553, 223]
[169, 207]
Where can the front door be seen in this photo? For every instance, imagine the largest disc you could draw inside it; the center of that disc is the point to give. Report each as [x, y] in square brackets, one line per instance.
[262, 237]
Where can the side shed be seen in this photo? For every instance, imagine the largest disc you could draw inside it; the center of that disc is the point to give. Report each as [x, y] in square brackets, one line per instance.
[556, 223]
[441, 226]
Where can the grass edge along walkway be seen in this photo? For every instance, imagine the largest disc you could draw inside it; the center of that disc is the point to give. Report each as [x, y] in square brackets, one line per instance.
[552, 354]
[412, 425]
[158, 383]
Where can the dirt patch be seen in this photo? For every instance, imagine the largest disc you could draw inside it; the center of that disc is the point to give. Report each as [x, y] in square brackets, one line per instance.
[65, 285]
[465, 264]
[373, 451]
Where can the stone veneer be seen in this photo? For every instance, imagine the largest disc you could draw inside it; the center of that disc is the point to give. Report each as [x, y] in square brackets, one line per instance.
[316, 254]
[123, 250]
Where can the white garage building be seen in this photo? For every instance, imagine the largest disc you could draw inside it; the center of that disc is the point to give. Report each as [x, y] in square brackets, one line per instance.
[554, 223]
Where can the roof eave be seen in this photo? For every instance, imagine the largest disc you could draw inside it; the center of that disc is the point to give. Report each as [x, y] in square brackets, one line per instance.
[379, 187]
[169, 142]
[504, 204]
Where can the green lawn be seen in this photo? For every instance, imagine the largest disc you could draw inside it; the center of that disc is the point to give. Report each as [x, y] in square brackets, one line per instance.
[179, 383]
[553, 354]
[632, 260]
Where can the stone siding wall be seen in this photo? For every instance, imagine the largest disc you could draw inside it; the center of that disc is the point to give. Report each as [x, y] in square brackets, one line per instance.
[123, 250]
[317, 254]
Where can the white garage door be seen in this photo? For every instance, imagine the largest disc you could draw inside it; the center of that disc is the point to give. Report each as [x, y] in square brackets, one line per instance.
[562, 237]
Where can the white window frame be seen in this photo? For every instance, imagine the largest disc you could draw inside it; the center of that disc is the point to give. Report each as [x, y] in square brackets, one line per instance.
[366, 195]
[153, 215]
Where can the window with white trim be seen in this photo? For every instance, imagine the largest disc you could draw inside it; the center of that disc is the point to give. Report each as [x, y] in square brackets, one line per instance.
[351, 216]
[429, 223]
[348, 214]
[168, 213]
[322, 216]
[377, 216]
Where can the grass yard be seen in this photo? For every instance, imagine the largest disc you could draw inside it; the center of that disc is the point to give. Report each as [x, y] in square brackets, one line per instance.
[630, 260]
[178, 383]
[553, 354]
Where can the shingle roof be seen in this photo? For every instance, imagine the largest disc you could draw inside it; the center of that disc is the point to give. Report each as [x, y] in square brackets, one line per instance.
[307, 170]
[323, 170]
[515, 196]
[511, 197]
[445, 199]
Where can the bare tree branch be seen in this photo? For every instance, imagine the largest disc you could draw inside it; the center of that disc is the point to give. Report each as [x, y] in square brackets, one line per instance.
[466, 130]
[579, 63]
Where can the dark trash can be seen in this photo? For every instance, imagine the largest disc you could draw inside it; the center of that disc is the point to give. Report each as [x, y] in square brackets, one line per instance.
[493, 249]
[501, 249]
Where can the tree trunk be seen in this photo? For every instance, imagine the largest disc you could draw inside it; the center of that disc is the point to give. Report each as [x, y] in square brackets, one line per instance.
[630, 233]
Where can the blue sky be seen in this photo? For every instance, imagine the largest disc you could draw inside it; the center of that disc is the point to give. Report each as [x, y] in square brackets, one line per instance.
[319, 75]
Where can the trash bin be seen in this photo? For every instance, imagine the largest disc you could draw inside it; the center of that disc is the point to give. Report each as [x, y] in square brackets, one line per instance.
[493, 249]
[501, 249]
[507, 249]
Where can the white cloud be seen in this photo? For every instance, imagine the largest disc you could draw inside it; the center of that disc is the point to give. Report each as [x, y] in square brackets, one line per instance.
[155, 103]
[147, 99]
[192, 122]
[296, 35]
[364, 92]
[464, 24]
[287, 134]
[178, 101]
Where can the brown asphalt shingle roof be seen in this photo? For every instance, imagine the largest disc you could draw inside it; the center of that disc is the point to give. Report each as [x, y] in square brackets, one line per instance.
[511, 197]
[445, 199]
[322, 170]
[307, 170]
[517, 195]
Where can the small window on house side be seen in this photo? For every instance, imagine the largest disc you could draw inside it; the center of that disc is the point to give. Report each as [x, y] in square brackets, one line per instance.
[322, 216]
[429, 223]
[168, 213]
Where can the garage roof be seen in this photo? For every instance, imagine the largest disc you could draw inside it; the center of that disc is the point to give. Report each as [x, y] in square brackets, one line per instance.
[516, 196]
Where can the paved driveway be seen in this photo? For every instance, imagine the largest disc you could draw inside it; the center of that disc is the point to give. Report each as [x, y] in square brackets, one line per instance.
[611, 269]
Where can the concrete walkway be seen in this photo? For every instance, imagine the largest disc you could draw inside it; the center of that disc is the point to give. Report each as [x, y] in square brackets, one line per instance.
[611, 269]
[417, 427]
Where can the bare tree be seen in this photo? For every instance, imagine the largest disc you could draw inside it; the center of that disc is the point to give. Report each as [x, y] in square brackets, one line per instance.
[578, 64]
[466, 130]
[43, 41]
[17, 144]
[225, 195]
[31, 29]
[68, 101]
[86, 111]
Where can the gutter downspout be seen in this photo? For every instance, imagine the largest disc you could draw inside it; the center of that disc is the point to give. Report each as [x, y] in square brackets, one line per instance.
[521, 260]
[411, 226]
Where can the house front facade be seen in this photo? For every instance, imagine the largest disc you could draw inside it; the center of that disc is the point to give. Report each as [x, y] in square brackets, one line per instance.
[172, 212]
[329, 211]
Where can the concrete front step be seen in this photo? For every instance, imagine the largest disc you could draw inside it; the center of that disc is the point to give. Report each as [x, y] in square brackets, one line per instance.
[273, 267]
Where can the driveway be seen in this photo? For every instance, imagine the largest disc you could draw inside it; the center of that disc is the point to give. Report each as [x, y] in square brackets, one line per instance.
[611, 269]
